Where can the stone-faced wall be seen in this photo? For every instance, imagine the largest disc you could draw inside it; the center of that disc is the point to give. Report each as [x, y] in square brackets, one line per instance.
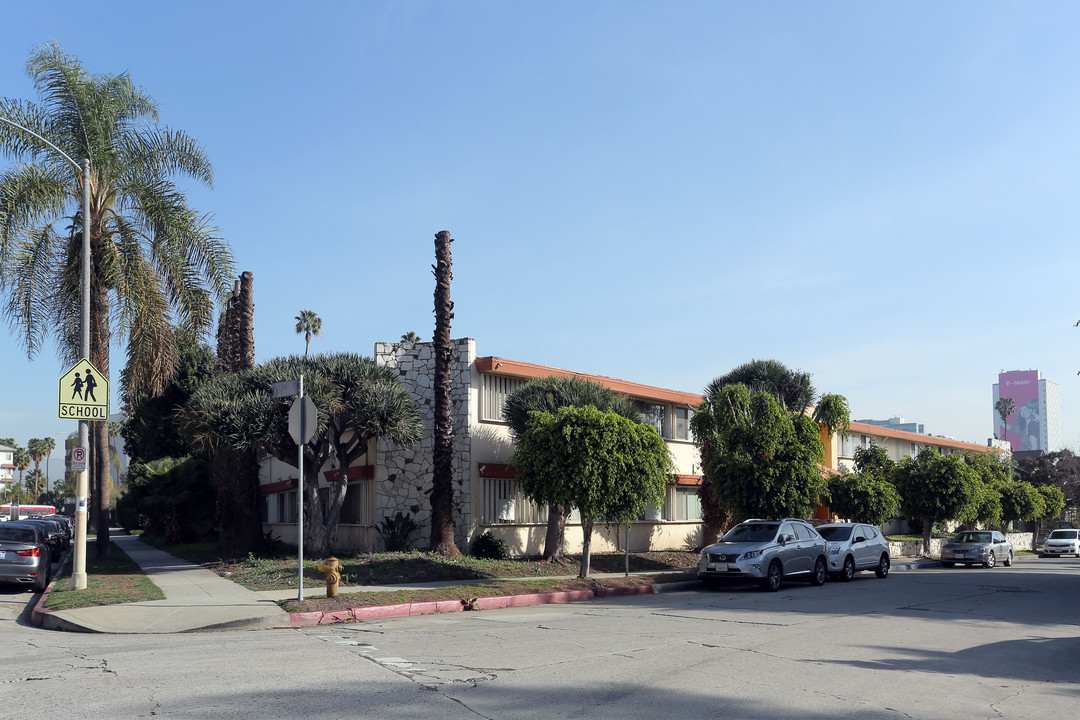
[403, 475]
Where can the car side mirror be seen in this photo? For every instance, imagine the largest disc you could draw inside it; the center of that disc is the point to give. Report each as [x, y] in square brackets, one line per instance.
[783, 539]
[859, 540]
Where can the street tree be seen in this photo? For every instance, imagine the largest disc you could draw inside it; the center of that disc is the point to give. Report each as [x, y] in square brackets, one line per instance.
[21, 460]
[607, 466]
[355, 399]
[410, 337]
[1005, 407]
[760, 450]
[308, 324]
[442, 476]
[48, 445]
[865, 495]
[1053, 505]
[935, 488]
[1060, 469]
[1020, 501]
[155, 262]
[549, 395]
[38, 452]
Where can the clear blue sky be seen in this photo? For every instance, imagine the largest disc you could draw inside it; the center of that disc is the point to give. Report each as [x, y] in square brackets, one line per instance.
[882, 194]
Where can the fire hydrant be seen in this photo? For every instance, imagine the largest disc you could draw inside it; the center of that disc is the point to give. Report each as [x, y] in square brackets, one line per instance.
[332, 569]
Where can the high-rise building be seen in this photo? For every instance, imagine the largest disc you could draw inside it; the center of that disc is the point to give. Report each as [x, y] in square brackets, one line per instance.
[1035, 422]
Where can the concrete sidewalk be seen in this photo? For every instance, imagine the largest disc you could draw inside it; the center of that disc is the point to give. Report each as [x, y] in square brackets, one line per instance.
[197, 599]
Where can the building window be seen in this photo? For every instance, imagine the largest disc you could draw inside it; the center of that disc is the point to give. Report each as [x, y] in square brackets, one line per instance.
[655, 415]
[286, 507]
[683, 504]
[494, 391]
[682, 423]
[355, 510]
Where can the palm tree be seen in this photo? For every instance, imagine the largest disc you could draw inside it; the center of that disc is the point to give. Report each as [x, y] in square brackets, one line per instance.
[21, 461]
[308, 323]
[36, 448]
[49, 444]
[155, 263]
[442, 471]
[114, 454]
[1005, 407]
[410, 337]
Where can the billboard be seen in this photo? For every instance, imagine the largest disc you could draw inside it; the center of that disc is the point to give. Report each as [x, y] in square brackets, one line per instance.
[1023, 427]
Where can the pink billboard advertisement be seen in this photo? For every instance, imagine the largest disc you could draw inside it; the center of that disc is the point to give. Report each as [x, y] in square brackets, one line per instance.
[1024, 425]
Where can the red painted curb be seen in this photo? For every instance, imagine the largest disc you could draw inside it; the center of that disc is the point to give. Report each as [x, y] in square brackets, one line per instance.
[493, 602]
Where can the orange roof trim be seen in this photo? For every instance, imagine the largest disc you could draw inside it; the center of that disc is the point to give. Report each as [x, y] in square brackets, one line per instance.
[858, 427]
[514, 368]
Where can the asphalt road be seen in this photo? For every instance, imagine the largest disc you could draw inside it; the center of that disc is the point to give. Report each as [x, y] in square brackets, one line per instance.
[950, 644]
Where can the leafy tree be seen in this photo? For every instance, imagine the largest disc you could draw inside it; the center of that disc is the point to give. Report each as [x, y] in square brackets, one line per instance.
[935, 488]
[151, 431]
[549, 395]
[1060, 469]
[762, 457]
[605, 465]
[442, 480]
[169, 498]
[985, 506]
[356, 401]
[154, 260]
[1053, 505]
[792, 388]
[1020, 501]
[865, 495]
[308, 323]
[1005, 407]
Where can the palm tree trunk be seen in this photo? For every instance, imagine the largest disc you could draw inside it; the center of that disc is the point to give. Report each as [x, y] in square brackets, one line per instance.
[442, 481]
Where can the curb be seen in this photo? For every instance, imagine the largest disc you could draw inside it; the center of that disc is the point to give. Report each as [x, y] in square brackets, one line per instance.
[39, 614]
[379, 612]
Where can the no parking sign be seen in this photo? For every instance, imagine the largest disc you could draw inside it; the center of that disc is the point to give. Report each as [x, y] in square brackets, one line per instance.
[78, 459]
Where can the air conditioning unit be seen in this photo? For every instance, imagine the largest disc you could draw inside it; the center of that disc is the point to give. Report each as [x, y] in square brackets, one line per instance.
[504, 509]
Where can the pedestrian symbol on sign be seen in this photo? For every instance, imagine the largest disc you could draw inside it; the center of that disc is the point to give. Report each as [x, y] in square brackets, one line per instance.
[78, 393]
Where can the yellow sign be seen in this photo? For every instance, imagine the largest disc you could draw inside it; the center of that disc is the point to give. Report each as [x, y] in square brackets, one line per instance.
[84, 393]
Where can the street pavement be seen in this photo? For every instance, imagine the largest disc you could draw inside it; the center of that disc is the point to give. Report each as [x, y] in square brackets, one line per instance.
[197, 599]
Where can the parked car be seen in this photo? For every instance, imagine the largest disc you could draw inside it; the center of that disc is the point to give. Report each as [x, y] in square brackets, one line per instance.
[767, 551]
[25, 556]
[1061, 542]
[53, 534]
[977, 546]
[60, 523]
[855, 546]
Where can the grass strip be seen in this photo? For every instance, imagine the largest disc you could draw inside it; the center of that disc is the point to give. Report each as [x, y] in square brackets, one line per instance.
[109, 581]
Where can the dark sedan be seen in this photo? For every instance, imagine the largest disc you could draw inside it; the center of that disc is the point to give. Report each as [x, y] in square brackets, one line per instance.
[25, 557]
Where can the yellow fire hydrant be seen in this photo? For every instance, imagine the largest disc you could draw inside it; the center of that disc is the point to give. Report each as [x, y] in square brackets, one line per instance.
[332, 569]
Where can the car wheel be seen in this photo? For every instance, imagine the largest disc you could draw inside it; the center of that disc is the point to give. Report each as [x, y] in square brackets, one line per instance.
[947, 564]
[849, 569]
[991, 561]
[882, 570]
[42, 581]
[1008, 561]
[775, 577]
[818, 578]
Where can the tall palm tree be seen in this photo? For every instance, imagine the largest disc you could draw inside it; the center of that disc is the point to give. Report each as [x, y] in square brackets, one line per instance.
[114, 454]
[410, 337]
[155, 263]
[308, 323]
[49, 444]
[442, 471]
[1005, 407]
[21, 461]
[36, 448]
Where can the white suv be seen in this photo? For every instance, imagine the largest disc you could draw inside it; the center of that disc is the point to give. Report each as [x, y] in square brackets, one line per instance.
[1062, 542]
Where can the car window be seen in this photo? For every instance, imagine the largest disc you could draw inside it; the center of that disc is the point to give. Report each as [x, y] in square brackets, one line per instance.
[1063, 535]
[973, 537]
[838, 533]
[786, 531]
[751, 532]
[871, 532]
[17, 535]
[802, 532]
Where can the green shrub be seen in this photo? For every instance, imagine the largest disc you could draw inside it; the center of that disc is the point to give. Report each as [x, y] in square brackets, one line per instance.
[395, 531]
[490, 547]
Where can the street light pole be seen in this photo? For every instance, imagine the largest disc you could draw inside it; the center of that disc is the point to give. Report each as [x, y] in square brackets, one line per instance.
[78, 574]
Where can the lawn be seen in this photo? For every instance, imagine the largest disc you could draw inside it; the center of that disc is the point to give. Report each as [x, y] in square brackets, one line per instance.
[111, 581]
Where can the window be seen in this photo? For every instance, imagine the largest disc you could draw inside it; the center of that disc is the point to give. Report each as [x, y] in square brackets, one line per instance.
[682, 423]
[685, 504]
[654, 415]
[354, 508]
[286, 507]
[493, 395]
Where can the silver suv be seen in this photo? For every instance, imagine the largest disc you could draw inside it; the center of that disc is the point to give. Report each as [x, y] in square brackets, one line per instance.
[854, 547]
[768, 551]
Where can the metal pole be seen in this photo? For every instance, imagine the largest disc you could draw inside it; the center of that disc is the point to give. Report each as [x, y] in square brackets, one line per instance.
[300, 489]
[78, 570]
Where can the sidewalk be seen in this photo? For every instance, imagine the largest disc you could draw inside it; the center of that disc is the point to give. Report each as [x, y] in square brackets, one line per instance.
[197, 599]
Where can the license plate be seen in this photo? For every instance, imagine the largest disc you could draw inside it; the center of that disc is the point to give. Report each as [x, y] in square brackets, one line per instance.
[3, 554]
[719, 567]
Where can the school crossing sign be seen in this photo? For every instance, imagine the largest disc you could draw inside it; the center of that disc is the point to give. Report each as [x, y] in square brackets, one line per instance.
[84, 393]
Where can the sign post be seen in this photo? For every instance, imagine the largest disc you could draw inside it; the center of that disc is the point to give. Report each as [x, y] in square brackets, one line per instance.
[302, 421]
[83, 395]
